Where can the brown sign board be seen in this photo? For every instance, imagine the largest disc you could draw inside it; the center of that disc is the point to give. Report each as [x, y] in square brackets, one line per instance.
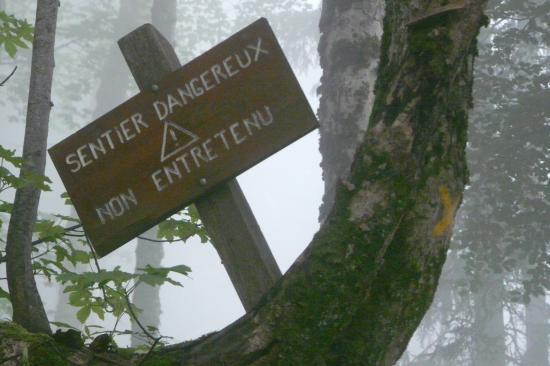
[207, 122]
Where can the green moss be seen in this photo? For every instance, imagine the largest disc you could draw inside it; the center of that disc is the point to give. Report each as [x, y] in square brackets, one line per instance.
[42, 349]
[48, 354]
[18, 333]
[165, 359]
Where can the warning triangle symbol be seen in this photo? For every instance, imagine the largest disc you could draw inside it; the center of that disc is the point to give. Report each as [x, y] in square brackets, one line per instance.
[175, 139]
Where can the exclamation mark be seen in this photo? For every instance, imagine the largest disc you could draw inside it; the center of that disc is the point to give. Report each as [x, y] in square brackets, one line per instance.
[174, 137]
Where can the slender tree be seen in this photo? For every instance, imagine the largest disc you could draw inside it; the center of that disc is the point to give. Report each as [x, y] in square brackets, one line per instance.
[27, 305]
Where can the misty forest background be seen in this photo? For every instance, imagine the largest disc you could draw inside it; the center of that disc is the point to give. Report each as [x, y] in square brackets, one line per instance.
[492, 304]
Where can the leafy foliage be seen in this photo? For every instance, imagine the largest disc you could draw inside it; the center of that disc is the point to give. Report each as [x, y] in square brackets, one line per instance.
[9, 164]
[14, 33]
[56, 253]
[183, 226]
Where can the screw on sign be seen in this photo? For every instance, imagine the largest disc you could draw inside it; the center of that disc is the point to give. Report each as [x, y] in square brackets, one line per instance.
[183, 136]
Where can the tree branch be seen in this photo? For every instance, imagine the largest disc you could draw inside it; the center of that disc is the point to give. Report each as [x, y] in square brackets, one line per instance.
[8, 77]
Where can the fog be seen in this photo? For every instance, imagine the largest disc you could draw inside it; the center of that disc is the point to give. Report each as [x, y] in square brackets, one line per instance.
[286, 190]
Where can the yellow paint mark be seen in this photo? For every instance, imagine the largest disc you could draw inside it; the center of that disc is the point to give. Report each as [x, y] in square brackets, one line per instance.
[448, 217]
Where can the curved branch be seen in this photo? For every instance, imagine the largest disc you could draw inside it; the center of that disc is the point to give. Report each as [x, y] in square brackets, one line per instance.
[3, 82]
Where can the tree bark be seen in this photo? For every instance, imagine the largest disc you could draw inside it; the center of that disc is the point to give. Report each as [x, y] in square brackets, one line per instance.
[358, 292]
[349, 53]
[28, 310]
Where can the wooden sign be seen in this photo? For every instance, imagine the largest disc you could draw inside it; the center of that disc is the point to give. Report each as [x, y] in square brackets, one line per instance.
[205, 123]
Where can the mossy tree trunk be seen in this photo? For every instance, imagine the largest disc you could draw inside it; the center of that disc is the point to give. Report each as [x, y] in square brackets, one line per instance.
[28, 310]
[358, 292]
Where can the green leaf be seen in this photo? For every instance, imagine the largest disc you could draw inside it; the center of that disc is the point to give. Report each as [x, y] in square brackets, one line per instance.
[99, 311]
[180, 229]
[6, 207]
[9, 156]
[181, 269]
[157, 276]
[4, 294]
[67, 199]
[19, 43]
[83, 314]
[60, 253]
[10, 47]
[36, 181]
[48, 231]
[193, 213]
[79, 298]
[81, 256]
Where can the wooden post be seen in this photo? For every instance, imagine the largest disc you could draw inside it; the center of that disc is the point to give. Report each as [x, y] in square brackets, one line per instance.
[225, 212]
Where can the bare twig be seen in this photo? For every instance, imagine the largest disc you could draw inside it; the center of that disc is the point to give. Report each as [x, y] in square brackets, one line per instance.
[158, 241]
[155, 342]
[135, 318]
[8, 77]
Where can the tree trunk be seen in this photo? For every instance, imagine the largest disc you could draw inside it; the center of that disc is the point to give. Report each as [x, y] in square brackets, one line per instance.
[537, 329]
[488, 338]
[147, 297]
[358, 292]
[115, 78]
[349, 52]
[164, 18]
[163, 14]
[28, 310]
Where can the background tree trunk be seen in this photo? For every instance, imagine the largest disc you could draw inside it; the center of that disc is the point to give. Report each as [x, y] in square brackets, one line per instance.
[28, 310]
[349, 53]
[489, 335]
[115, 78]
[163, 15]
[64, 312]
[537, 330]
